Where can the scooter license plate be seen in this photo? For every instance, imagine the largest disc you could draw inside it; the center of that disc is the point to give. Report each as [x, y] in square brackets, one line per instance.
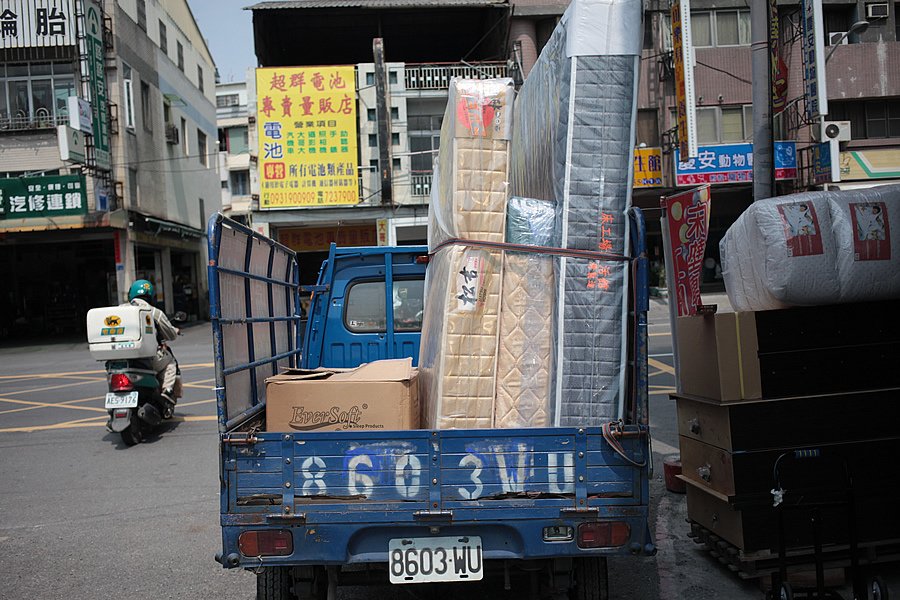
[121, 400]
[426, 560]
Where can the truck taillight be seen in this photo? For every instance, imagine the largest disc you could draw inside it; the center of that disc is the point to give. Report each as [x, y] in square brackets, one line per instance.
[119, 382]
[603, 534]
[278, 542]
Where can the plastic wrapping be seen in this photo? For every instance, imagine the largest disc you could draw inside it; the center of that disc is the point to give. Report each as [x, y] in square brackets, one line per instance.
[458, 355]
[574, 136]
[473, 186]
[525, 358]
[814, 248]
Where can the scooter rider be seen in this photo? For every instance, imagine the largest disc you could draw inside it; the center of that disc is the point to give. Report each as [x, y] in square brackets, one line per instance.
[141, 294]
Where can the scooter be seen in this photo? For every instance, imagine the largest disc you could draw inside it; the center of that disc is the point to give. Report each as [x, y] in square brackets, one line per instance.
[134, 400]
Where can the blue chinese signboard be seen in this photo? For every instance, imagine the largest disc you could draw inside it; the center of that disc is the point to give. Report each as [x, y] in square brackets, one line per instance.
[732, 163]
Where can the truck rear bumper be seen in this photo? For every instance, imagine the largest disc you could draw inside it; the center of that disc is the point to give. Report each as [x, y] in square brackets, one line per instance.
[350, 543]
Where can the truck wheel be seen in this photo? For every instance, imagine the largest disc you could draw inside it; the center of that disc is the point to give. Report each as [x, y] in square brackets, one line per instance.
[132, 434]
[591, 580]
[274, 583]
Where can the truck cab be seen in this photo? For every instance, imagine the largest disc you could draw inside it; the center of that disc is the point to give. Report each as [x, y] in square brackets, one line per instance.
[367, 305]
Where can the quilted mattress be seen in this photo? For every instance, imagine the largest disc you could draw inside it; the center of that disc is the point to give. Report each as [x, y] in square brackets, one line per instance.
[458, 357]
[526, 319]
[814, 248]
[574, 131]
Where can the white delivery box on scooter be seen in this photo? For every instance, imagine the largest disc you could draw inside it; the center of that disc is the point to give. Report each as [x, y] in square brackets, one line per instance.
[121, 332]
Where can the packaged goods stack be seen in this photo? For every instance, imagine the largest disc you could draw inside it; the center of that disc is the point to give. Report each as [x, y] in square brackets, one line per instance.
[520, 338]
[793, 399]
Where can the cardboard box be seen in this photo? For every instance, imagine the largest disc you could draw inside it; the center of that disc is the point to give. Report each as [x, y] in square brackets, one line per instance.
[718, 356]
[382, 395]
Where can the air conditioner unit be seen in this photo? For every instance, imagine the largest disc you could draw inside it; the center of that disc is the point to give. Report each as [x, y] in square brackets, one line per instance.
[877, 10]
[172, 134]
[833, 130]
[837, 37]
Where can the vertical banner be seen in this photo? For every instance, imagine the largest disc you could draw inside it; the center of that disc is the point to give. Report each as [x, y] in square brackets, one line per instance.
[96, 74]
[307, 136]
[776, 63]
[813, 59]
[686, 217]
[683, 56]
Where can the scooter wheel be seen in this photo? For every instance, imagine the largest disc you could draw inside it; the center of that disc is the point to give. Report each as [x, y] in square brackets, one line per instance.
[786, 592]
[132, 434]
[876, 589]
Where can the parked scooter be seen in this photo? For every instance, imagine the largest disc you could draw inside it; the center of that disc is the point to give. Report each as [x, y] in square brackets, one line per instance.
[134, 399]
[125, 338]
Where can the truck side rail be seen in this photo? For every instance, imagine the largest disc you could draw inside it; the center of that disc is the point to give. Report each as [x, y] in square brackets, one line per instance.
[254, 300]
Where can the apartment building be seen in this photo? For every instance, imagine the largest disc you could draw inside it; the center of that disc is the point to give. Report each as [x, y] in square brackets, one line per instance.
[233, 122]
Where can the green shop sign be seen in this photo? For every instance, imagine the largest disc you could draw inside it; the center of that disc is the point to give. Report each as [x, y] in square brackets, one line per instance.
[31, 197]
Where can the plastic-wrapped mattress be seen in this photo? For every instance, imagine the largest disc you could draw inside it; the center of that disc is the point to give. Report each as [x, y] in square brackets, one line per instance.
[574, 138]
[814, 248]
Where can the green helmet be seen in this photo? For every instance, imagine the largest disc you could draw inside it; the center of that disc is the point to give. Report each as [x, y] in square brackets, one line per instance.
[140, 289]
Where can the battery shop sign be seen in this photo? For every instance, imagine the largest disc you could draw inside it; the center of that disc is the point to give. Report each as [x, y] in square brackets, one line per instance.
[29, 197]
[732, 163]
[307, 136]
[37, 23]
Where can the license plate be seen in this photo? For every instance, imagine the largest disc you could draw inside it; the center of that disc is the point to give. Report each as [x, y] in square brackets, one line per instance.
[129, 400]
[420, 560]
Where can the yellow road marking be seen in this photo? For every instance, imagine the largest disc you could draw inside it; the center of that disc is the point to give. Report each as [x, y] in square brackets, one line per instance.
[35, 405]
[94, 422]
[661, 366]
[662, 392]
[52, 375]
[659, 333]
[48, 405]
[49, 387]
[183, 404]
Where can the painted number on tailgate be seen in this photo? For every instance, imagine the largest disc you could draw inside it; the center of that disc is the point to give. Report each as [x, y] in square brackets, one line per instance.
[511, 468]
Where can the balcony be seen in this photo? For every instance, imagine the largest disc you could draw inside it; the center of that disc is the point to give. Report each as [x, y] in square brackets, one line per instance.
[420, 185]
[42, 119]
[437, 76]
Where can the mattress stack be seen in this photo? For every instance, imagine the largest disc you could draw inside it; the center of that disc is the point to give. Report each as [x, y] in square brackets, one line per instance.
[540, 340]
[814, 248]
[458, 356]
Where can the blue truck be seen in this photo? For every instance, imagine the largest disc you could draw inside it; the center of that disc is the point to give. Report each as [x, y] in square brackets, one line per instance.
[308, 511]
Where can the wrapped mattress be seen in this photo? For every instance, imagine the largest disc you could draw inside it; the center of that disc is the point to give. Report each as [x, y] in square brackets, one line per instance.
[814, 248]
[458, 355]
[574, 130]
[526, 318]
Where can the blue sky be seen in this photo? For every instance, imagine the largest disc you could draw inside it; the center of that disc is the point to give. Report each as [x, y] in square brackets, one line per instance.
[228, 30]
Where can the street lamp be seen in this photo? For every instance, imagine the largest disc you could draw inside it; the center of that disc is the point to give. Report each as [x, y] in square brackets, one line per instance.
[857, 27]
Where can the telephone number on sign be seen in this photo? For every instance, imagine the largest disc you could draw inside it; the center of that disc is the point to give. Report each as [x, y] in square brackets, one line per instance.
[311, 197]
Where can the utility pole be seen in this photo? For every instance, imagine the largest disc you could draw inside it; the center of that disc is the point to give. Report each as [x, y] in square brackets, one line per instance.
[383, 114]
[763, 172]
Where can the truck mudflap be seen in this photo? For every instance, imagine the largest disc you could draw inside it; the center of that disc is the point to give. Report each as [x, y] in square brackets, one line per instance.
[525, 492]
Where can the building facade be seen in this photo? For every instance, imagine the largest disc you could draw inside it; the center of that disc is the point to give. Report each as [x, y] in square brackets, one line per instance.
[428, 43]
[233, 122]
[141, 212]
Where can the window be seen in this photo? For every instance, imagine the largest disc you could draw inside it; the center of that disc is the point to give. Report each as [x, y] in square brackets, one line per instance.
[201, 148]
[373, 140]
[202, 206]
[883, 119]
[163, 38]
[723, 125]
[167, 111]
[133, 186]
[396, 163]
[142, 14]
[128, 96]
[236, 140]
[200, 78]
[647, 127]
[240, 183]
[370, 78]
[395, 139]
[146, 109]
[180, 54]
[424, 141]
[395, 113]
[34, 94]
[184, 139]
[227, 100]
[392, 77]
[370, 114]
[365, 309]
[720, 28]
